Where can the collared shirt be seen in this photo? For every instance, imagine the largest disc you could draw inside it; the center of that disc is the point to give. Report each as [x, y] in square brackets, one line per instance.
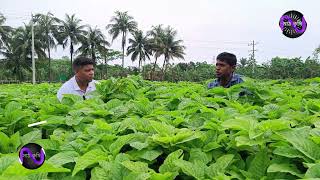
[72, 87]
[236, 79]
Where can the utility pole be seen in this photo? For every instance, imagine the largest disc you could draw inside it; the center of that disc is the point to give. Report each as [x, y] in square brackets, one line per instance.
[32, 53]
[252, 54]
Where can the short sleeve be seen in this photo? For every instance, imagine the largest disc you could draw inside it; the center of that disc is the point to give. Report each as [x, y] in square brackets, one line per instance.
[63, 90]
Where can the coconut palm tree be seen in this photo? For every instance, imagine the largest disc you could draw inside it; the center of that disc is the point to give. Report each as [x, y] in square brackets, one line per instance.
[171, 48]
[49, 26]
[4, 31]
[22, 39]
[17, 53]
[122, 23]
[163, 42]
[92, 42]
[70, 32]
[156, 41]
[14, 61]
[140, 48]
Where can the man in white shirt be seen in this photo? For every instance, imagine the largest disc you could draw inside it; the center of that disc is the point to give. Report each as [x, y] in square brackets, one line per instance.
[82, 82]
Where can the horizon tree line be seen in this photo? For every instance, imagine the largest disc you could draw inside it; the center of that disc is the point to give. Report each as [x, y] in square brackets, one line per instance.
[84, 40]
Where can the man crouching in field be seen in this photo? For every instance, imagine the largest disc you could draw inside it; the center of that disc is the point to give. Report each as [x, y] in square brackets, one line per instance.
[225, 67]
[82, 82]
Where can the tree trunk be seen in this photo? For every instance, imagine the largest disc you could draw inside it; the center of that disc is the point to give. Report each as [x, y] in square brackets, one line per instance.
[164, 62]
[49, 73]
[93, 54]
[105, 66]
[71, 53]
[139, 64]
[154, 68]
[163, 70]
[122, 56]
[123, 46]
[19, 73]
[141, 68]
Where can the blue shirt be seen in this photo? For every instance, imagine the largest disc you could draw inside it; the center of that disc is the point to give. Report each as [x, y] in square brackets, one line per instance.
[236, 79]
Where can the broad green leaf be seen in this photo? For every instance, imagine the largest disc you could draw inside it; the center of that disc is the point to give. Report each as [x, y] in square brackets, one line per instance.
[116, 146]
[15, 141]
[39, 176]
[220, 165]
[48, 144]
[168, 164]
[111, 170]
[113, 103]
[7, 160]
[162, 129]
[101, 124]
[89, 158]
[101, 113]
[259, 164]
[63, 157]
[76, 145]
[285, 168]
[137, 176]
[70, 120]
[274, 125]
[182, 136]
[139, 145]
[196, 169]
[12, 106]
[31, 137]
[149, 155]
[136, 166]
[70, 99]
[299, 138]
[313, 172]
[246, 141]
[288, 151]
[54, 120]
[211, 146]
[240, 123]
[67, 176]
[4, 143]
[197, 154]
[165, 176]
[18, 169]
[99, 173]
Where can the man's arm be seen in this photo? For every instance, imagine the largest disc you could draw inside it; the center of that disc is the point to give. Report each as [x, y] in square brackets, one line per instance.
[59, 94]
[212, 84]
[240, 80]
[63, 90]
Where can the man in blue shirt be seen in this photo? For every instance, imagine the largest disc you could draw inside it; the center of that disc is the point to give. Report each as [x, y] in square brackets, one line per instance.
[225, 67]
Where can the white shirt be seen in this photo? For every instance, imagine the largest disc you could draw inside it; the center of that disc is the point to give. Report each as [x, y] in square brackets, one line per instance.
[72, 87]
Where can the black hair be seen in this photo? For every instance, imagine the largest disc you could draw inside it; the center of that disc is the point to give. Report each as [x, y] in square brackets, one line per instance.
[229, 58]
[81, 61]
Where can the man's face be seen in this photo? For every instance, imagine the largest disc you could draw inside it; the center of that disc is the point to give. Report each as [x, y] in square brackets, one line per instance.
[223, 69]
[86, 73]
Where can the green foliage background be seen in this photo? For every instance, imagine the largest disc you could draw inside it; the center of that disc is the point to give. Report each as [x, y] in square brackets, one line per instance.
[137, 129]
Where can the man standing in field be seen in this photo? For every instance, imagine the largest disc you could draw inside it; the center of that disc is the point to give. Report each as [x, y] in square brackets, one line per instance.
[82, 82]
[225, 67]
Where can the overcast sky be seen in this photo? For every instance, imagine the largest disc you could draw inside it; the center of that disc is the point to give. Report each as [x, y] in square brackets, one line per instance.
[207, 27]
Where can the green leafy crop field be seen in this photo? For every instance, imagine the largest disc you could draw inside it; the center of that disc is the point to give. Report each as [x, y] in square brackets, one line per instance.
[136, 129]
